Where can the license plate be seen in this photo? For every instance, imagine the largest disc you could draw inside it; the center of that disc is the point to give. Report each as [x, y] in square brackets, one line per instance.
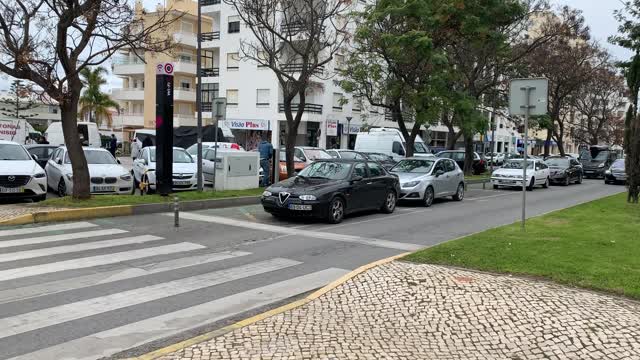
[300, 207]
[589, 171]
[17, 190]
[104, 188]
[508, 182]
[176, 182]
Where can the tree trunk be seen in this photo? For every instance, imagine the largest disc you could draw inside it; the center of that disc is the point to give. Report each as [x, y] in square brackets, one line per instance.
[632, 161]
[69, 117]
[452, 137]
[292, 130]
[468, 154]
[547, 143]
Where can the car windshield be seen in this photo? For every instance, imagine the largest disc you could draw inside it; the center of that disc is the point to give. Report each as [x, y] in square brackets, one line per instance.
[326, 170]
[317, 154]
[517, 164]
[179, 156]
[13, 152]
[378, 157]
[414, 166]
[559, 162]
[618, 164]
[94, 157]
[283, 157]
[602, 156]
[193, 149]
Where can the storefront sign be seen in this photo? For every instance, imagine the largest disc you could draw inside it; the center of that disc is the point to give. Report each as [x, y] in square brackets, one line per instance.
[247, 124]
[332, 127]
[354, 129]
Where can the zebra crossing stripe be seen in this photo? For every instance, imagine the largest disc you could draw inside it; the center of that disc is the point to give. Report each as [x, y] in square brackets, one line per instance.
[22, 323]
[60, 237]
[113, 341]
[38, 229]
[68, 249]
[110, 276]
[87, 262]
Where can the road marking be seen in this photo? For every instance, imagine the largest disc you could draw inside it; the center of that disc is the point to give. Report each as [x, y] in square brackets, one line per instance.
[79, 282]
[112, 341]
[38, 229]
[300, 232]
[87, 262]
[39, 319]
[67, 249]
[492, 196]
[60, 237]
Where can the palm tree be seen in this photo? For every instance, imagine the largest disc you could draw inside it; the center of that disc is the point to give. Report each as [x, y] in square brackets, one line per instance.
[93, 101]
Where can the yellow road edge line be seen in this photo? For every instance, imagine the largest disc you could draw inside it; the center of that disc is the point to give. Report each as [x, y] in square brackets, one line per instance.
[18, 220]
[259, 317]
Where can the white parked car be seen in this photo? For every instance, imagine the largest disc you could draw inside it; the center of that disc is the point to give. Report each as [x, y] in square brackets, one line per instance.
[510, 175]
[106, 174]
[222, 146]
[20, 175]
[184, 169]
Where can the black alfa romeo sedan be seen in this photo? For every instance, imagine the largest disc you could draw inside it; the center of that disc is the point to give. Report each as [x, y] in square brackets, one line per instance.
[330, 189]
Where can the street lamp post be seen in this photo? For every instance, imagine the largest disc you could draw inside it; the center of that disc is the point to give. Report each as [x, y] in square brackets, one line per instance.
[199, 97]
[349, 130]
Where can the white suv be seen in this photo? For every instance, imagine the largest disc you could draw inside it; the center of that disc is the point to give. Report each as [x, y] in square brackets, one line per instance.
[20, 175]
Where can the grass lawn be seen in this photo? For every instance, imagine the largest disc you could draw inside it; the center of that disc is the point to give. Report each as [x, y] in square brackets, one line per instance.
[594, 245]
[113, 200]
[482, 176]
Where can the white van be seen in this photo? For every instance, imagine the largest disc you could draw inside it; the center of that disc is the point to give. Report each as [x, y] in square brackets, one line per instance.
[88, 131]
[390, 142]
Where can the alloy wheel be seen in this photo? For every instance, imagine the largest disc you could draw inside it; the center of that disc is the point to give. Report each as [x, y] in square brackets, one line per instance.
[62, 189]
[390, 202]
[459, 196]
[337, 210]
[428, 197]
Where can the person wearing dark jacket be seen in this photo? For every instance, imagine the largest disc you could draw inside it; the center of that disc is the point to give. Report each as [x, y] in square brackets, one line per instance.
[113, 145]
[266, 153]
[147, 142]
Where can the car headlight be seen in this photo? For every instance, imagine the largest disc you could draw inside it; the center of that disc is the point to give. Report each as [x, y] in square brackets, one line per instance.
[410, 184]
[39, 175]
[601, 165]
[126, 177]
[307, 197]
[266, 193]
[69, 176]
[608, 172]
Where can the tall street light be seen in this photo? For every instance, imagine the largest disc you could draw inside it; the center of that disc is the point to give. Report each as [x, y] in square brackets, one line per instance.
[199, 96]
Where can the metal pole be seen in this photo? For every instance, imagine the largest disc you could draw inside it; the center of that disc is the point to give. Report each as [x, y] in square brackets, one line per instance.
[215, 149]
[176, 212]
[527, 106]
[199, 97]
[493, 138]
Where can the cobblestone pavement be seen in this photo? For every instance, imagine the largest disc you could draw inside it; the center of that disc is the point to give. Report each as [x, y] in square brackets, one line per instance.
[407, 311]
[8, 211]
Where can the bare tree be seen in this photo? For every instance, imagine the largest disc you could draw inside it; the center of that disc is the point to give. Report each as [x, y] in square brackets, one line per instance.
[19, 103]
[598, 105]
[296, 39]
[49, 42]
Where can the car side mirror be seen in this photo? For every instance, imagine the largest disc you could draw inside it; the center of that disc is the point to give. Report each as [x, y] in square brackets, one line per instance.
[118, 161]
[356, 178]
[59, 161]
[439, 173]
[34, 157]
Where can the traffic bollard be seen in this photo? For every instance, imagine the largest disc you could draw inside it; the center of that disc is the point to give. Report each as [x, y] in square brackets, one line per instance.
[176, 212]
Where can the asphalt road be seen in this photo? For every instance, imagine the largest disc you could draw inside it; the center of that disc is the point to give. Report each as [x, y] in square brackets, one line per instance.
[124, 286]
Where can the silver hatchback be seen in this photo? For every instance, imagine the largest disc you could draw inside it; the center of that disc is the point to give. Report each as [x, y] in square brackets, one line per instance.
[426, 179]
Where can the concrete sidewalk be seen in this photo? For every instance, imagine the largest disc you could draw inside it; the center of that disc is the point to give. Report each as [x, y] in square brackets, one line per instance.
[407, 311]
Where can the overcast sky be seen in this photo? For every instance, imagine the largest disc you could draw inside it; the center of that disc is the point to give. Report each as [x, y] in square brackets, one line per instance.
[598, 15]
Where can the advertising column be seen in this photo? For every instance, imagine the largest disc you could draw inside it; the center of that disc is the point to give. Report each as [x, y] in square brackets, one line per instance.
[164, 128]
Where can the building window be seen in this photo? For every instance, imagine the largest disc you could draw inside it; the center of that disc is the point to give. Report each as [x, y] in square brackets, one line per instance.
[185, 58]
[233, 61]
[357, 104]
[339, 62]
[232, 97]
[262, 97]
[209, 92]
[186, 26]
[234, 24]
[337, 101]
[185, 85]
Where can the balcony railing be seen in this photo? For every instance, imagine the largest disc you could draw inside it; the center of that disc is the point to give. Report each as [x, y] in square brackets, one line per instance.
[293, 28]
[209, 2]
[209, 36]
[210, 72]
[310, 108]
[206, 107]
[298, 67]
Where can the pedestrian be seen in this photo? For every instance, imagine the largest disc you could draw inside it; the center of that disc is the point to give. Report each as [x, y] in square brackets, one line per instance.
[113, 145]
[147, 142]
[28, 140]
[136, 145]
[266, 153]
